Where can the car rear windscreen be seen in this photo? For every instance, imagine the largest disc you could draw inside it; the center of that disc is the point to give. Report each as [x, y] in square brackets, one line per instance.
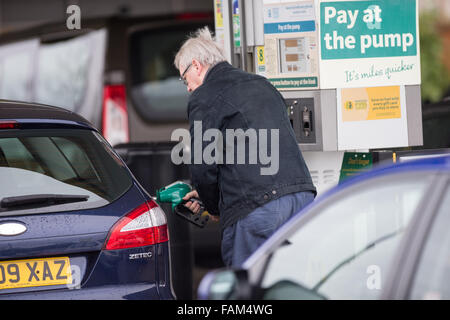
[63, 162]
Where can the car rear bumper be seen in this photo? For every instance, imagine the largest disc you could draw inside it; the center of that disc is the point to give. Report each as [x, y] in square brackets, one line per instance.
[140, 291]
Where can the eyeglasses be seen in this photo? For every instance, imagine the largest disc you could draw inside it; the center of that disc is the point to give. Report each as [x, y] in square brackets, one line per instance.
[182, 78]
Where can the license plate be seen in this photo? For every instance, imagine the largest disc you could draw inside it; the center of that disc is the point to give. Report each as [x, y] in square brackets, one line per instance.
[35, 273]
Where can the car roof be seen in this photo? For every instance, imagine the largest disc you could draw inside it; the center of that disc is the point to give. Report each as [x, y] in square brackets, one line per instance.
[40, 113]
[428, 163]
[438, 162]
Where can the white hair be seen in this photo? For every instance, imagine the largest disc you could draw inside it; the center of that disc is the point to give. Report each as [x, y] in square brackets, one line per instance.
[200, 46]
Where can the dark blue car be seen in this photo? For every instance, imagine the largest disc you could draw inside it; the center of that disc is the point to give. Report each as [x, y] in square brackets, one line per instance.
[74, 223]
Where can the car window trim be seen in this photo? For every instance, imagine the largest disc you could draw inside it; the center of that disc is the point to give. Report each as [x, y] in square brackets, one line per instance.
[404, 265]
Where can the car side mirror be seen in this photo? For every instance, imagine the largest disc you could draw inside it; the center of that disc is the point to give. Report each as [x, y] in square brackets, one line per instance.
[224, 284]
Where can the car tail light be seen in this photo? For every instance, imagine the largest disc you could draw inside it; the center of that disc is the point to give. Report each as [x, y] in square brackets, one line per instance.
[115, 114]
[146, 225]
[9, 125]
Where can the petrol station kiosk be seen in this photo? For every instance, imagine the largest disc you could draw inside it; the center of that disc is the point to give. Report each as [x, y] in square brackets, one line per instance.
[349, 72]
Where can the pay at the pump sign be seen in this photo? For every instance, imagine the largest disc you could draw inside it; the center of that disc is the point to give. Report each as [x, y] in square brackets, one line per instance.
[372, 17]
[366, 29]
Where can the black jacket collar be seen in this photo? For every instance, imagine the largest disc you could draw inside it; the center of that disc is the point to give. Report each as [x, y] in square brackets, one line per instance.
[215, 70]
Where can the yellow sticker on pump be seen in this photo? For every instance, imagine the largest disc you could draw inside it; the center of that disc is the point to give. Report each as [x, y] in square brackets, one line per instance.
[35, 272]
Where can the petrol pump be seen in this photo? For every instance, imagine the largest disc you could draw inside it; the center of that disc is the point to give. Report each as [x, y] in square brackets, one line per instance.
[349, 72]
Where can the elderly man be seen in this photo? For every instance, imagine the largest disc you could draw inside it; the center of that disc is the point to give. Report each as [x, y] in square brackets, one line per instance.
[251, 205]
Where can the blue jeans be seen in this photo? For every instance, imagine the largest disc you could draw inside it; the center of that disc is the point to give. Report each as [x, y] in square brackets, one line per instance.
[241, 239]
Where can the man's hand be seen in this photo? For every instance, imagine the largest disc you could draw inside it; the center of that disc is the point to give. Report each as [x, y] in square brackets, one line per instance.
[194, 206]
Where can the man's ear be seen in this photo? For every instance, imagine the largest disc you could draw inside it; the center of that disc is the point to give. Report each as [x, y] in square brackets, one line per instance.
[198, 66]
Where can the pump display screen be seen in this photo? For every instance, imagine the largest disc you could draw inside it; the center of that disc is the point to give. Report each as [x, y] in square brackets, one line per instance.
[294, 55]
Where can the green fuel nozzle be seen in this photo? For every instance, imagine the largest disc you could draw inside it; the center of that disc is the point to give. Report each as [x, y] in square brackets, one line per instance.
[174, 193]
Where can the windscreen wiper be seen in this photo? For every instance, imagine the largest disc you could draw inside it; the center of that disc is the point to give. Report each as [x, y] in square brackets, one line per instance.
[354, 256]
[37, 200]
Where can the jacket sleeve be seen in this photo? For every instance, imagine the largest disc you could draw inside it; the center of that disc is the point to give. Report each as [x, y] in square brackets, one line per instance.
[204, 173]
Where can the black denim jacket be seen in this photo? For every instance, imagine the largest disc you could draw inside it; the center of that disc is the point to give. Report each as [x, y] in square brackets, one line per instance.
[232, 99]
